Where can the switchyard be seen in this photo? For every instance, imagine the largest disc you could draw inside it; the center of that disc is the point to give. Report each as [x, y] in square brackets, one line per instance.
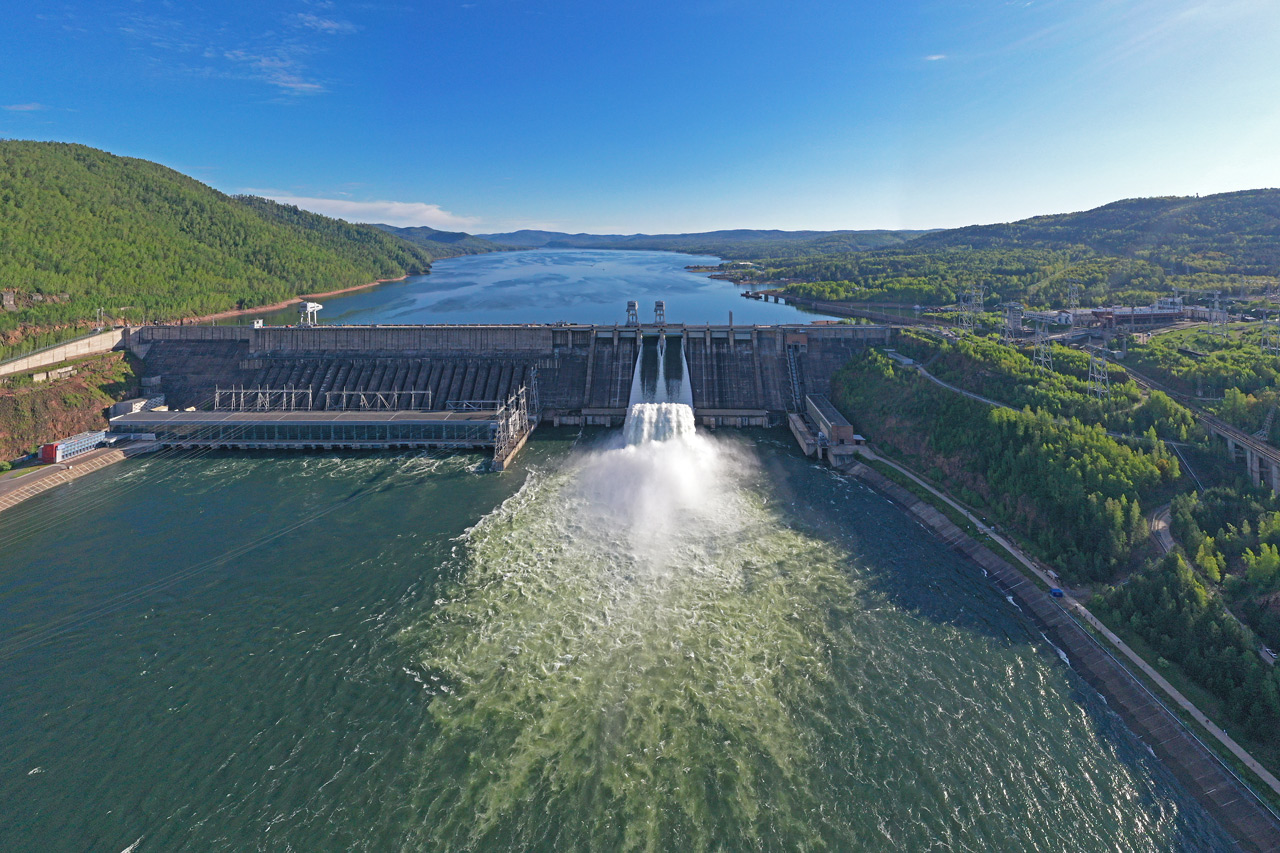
[460, 385]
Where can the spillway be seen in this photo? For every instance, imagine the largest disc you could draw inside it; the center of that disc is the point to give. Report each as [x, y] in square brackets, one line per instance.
[730, 375]
[661, 402]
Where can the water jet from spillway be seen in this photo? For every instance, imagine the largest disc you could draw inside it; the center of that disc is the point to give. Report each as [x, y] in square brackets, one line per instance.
[661, 404]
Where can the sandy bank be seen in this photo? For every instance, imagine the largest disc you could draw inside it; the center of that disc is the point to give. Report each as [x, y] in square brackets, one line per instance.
[276, 306]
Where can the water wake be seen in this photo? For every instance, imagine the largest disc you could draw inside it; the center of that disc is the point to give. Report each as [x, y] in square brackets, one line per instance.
[639, 652]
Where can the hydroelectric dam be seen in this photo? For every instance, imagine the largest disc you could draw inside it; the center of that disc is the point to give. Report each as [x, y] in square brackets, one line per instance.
[465, 386]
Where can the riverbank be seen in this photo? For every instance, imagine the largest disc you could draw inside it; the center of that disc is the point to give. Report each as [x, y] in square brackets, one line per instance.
[278, 306]
[1237, 807]
[18, 489]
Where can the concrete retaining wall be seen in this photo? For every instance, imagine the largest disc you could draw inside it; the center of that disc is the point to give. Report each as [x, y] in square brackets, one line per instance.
[104, 342]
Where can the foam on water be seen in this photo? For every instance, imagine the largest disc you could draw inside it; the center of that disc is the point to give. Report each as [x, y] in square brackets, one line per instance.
[640, 652]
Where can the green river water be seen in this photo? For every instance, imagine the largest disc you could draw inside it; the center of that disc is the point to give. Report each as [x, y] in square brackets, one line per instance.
[702, 644]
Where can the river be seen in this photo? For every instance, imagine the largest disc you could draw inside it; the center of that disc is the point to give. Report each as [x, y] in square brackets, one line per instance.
[699, 643]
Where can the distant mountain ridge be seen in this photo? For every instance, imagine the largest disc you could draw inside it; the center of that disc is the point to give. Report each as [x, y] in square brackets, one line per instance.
[1241, 228]
[1127, 252]
[452, 242]
[742, 243]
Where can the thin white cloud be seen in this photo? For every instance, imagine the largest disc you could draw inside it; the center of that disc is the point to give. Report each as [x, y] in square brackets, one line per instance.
[935, 57]
[204, 46]
[324, 25]
[402, 213]
[280, 70]
[24, 108]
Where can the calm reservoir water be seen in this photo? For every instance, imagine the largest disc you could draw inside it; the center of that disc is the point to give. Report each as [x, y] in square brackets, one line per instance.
[698, 643]
[548, 286]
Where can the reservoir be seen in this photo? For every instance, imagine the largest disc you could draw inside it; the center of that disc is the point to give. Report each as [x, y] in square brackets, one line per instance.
[550, 286]
[641, 639]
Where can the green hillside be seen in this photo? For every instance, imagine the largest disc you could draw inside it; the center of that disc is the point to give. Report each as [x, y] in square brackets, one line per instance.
[1226, 233]
[81, 229]
[442, 243]
[1128, 252]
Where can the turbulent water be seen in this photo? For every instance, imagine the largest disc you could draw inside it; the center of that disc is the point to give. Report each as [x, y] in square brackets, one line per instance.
[643, 652]
[695, 643]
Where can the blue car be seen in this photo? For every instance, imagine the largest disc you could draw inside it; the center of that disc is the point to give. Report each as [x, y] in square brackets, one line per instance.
[1055, 592]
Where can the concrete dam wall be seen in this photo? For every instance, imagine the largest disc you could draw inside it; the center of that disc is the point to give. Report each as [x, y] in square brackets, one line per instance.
[740, 375]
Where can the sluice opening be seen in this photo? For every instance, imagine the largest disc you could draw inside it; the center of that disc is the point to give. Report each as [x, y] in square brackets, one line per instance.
[661, 402]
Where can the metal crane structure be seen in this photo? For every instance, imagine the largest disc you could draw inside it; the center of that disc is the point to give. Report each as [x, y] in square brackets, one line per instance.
[307, 312]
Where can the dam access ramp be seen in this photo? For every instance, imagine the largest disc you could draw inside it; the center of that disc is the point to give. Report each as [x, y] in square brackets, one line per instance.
[463, 385]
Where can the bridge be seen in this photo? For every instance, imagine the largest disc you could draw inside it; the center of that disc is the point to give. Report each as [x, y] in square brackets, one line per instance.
[1261, 460]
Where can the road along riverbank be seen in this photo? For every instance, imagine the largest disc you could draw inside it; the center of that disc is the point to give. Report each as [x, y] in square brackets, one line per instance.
[19, 489]
[1219, 790]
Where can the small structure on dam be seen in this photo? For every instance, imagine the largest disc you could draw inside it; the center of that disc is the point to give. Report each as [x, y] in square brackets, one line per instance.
[464, 386]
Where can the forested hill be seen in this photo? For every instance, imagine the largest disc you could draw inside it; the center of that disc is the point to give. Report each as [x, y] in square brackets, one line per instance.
[1235, 232]
[1128, 252]
[81, 229]
[742, 243]
[443, 243]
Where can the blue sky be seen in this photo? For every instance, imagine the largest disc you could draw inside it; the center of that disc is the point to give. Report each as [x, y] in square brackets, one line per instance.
[656, 116]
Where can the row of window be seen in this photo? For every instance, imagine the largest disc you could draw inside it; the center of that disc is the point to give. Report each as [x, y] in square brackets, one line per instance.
[461, 431]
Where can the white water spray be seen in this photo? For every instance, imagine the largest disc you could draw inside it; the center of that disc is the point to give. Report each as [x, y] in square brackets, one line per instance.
[667, 412]
[657, 422]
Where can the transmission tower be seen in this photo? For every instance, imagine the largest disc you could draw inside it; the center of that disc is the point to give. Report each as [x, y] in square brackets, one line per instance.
[1073, 296]
[1270, 341]
[970, 309]
[1073, 293]
[1011, 332]
[965, 313]
[1044, 349]
[1217, 316]
[1099, 382]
